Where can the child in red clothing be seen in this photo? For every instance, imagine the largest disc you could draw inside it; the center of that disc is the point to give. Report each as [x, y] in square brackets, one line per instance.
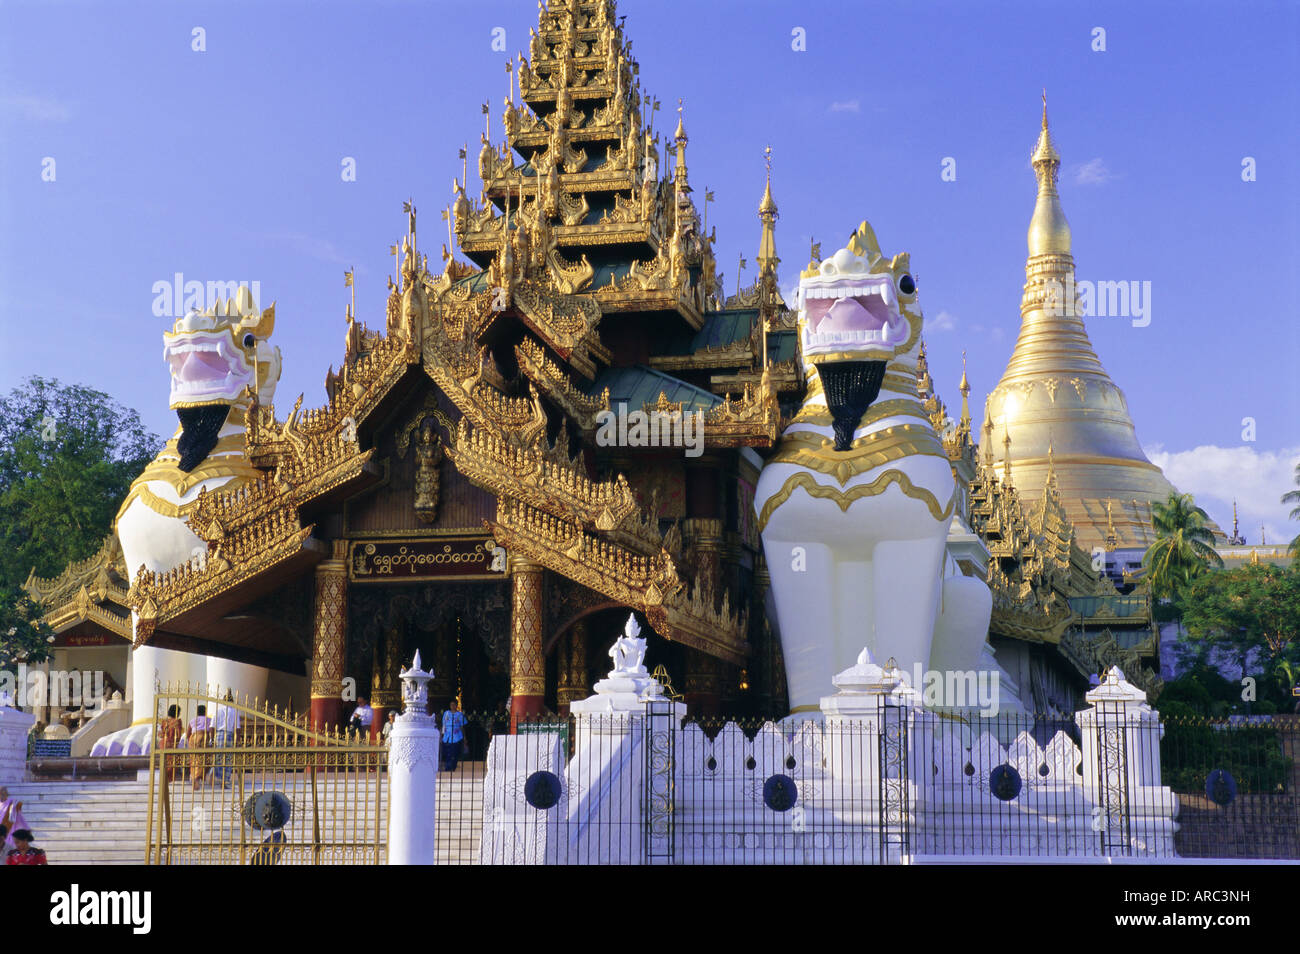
[26, 853]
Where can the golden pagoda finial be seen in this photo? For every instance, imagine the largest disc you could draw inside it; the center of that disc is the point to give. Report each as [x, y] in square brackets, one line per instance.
[964, 388]
[814, 254]
[1049, 233]
[768, 205]
[767, 214]
[1112, 538]
[679, 136]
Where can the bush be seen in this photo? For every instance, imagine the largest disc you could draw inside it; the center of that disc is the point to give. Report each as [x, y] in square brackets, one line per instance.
[1193, 747]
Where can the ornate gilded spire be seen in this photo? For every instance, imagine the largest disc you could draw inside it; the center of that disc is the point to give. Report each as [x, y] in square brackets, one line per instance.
[1049, 233]
[767, 214]
[964, 388]
[679, 137]
[1236, 539]
[1006, 455]
[924, 383]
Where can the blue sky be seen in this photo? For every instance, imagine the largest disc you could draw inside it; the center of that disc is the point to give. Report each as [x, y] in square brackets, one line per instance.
[225, 165]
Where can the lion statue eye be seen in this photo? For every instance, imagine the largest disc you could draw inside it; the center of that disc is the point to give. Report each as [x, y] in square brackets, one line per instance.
[248, 339]
[907, 285]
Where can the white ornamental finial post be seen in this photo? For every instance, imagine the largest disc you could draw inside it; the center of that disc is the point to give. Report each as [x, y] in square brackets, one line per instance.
[413, 774]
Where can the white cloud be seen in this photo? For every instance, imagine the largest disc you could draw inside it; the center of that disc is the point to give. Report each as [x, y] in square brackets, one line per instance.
[1256, 479]
[313, 247]
[1092, 172]
[996, 333]
[847, 106]
[944, 321]
[42, 109]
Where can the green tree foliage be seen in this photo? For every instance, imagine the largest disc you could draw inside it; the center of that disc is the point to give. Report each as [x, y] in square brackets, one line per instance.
[1256, 606]
[68, 455]
[1193, 747]
[1184, 547]
[1293, 497]
[22, 634]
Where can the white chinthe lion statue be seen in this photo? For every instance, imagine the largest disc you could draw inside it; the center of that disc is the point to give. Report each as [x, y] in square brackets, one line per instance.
[855, 504]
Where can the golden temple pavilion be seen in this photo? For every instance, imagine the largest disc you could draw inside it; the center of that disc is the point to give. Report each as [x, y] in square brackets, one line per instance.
[454, 495]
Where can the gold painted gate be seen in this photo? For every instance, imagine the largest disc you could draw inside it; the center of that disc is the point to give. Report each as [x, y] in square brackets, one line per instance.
[255, 785]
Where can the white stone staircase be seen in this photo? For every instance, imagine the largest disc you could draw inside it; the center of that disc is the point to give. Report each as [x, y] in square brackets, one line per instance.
[460, 814]
[105, 822]
[86, 822]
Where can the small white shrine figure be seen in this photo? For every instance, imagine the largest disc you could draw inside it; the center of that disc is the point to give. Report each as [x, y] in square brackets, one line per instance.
[628, 651]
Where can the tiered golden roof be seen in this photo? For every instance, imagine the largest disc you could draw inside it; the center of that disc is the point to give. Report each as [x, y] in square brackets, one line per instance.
[93, 590]
[575, 220]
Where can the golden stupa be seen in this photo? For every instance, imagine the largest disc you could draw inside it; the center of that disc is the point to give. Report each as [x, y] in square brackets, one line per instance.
[1056, 411]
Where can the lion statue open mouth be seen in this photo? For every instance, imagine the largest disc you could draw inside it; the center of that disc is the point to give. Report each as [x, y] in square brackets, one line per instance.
[215, 357]
[854, 505]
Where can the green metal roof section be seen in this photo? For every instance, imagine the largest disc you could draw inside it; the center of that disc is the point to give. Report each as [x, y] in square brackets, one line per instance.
[478, 282]
[603, 273]
[720, 329]
[638, 385]
[1121, 606]
[782, 346]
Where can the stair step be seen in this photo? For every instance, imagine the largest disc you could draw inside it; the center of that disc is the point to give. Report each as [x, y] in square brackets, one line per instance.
[105, 821]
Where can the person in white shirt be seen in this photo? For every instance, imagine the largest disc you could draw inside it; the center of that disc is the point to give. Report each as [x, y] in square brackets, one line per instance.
[226, 722]
[362, 717]
[387, 731]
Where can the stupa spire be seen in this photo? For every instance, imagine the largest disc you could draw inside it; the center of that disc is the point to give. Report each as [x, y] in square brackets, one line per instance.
[767, 214]
[1049, 232]
[964, 388]
[1055, 390]
[679, 137]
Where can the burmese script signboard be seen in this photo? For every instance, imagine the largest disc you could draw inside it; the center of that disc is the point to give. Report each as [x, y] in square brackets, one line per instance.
[438, 558]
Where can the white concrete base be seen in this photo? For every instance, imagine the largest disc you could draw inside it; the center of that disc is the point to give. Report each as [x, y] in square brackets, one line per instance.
[14, 727]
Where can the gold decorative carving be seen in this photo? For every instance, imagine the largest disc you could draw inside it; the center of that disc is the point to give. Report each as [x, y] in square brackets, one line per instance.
[846, 499]
[816, 451]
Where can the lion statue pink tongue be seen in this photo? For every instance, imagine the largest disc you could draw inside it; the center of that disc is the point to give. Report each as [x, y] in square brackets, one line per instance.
[848, 314]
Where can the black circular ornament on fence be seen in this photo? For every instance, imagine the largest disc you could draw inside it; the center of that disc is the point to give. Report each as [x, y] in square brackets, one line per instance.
[780, 793]
[1220, 787]
[267, 810]
[542, 790]
[1004, 782]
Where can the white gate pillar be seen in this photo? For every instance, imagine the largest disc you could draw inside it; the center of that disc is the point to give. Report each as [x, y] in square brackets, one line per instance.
[413, 774]
[1121, 769]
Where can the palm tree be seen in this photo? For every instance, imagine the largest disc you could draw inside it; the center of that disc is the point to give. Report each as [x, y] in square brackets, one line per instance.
[1184, 546]
[1293, 497]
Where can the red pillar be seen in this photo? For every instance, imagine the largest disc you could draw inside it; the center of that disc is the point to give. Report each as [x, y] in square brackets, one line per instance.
[527, 657]
[330, 640]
